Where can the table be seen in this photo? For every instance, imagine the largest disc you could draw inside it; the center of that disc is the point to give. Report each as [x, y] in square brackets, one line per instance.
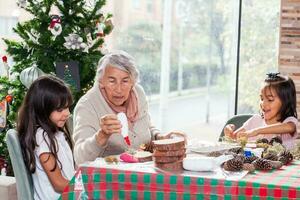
[105, 183]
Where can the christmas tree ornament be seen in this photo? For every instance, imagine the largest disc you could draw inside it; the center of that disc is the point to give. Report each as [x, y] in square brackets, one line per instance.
[29, 74]
[262, 164]
[55, 25]
[9, 98]
[74, 41]
[3, 114]
[5, 69]
[100, 29]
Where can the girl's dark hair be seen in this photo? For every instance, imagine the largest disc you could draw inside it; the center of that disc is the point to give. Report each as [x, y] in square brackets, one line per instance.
[285, 88]
[45, 95]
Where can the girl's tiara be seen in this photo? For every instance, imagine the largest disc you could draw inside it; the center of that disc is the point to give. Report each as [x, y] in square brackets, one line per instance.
[273, 77]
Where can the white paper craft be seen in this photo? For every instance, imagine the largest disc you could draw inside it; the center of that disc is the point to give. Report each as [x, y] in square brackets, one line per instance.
[123, 119]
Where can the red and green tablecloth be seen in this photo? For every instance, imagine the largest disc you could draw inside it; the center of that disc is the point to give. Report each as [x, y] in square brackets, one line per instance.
[105, 183]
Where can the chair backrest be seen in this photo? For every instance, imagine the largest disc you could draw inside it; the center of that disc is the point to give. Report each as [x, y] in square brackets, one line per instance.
[23, 176]
[237, 120]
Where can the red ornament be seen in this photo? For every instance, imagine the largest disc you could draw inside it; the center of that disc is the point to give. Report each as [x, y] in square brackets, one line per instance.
[4, 59]
[9, 98]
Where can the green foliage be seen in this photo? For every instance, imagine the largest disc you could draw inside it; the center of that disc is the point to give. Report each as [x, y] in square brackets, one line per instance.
[39, 46]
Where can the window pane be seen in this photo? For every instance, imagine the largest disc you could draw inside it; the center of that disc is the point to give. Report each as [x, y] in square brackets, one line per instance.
[203, 57]
[259, 50]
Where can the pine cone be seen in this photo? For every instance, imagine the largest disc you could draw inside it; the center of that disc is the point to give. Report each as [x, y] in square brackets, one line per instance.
[285, 157]
[233, 165]
[250, 159]
[262, 140]
[147, 147]
[262, 164]
[238, 150]
[214, 154]
[276, 164]
[276, 139]
[240, 157]
[249, 167]
[271, 156]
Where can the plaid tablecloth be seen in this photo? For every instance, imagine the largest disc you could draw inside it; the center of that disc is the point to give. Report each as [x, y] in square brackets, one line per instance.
[103, 183]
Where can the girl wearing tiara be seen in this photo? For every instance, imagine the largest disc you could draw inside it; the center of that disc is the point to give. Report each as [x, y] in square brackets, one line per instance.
[278, 113]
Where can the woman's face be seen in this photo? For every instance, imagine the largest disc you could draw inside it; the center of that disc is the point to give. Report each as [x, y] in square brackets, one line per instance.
[270, 105]
[117, 85]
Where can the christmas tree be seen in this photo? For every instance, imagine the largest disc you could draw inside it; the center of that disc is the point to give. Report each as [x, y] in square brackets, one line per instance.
[59, 31]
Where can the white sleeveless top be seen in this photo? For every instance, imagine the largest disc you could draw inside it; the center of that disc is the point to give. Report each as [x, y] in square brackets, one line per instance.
[42, 186]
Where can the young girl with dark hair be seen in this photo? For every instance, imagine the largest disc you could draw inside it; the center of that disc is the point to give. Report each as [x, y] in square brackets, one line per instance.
[278, 113]
[45, 138]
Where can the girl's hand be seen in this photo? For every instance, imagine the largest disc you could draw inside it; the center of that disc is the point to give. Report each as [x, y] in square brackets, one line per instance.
[228, 131]
[247, 134]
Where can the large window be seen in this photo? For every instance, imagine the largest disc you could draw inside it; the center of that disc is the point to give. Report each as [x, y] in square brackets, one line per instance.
[259, 50]
[202, 48]
[202, 61]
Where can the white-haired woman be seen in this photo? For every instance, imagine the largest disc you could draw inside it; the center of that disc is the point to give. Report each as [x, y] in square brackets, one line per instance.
[97, 130]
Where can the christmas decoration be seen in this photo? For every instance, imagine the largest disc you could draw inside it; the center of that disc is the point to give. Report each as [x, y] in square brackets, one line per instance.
[271, 156]
[250, 159]
[74, 41]
[5, 69]
[35, 45]
[28, 75]
[3, 114]
[276, 164]
[233, 165]
[262, 164]
[100, 29]
[9, 98]
[262, 140]
[69, 72]
[277, 139]
[286, 157]
[249, 167]
[238, 150]
[55, 25]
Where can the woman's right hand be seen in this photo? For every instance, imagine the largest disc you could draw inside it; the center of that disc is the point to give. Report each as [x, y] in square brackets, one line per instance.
[109, 124]
[229, 130]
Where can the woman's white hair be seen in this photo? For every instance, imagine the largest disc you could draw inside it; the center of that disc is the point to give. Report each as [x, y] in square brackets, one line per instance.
[118, 59]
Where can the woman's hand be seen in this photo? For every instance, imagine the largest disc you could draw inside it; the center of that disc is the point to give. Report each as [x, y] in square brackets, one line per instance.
[229, 131]
[109, 124]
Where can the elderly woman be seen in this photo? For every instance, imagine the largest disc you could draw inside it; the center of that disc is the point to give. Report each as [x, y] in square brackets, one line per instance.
[97, 130]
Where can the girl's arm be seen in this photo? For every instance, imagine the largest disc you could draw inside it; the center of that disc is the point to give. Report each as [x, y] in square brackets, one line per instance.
[280, 128]
[58, 181]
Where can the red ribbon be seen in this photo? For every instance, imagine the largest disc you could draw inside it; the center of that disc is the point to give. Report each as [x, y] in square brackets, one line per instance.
[4, 59]
[54, 21]
[127, 140]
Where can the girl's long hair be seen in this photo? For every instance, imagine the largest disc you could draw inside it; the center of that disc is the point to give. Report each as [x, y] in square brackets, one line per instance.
[285, 88]
[45, 95]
